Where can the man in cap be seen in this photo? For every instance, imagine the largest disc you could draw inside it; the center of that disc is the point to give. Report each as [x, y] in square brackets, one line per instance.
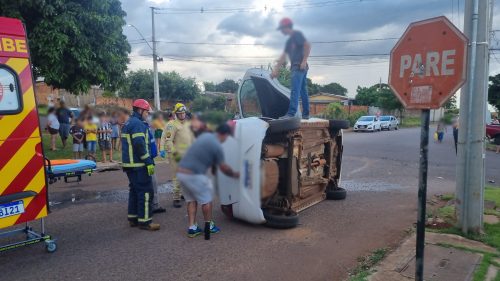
[203, 154]
[176, 139]
[297, 49]
[139, 166]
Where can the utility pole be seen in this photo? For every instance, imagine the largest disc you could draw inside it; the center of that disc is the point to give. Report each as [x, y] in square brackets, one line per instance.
[471, 153]
[155, 63]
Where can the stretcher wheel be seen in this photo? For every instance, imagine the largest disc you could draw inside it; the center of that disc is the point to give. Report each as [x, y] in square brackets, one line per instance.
[50, 246]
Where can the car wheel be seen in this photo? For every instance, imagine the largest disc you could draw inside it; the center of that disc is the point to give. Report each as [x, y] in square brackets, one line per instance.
[339, 124]
[336, 194]
[283, 125]
[396, 128]
[281, 219]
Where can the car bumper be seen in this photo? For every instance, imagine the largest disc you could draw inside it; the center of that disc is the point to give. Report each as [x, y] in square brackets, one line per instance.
[363, 129]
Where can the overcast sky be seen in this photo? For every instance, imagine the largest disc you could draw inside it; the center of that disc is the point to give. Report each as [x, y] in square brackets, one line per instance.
[252, 24]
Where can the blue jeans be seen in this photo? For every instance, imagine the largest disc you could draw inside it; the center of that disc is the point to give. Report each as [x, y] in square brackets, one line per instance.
[299, 89]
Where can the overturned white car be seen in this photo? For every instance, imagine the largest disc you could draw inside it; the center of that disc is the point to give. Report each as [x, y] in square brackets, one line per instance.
[286, 165]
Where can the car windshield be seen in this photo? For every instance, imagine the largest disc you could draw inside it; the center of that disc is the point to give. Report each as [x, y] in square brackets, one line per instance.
[366, 118]
[385, 118]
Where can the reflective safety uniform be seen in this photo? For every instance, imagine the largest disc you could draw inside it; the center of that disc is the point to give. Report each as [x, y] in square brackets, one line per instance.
[177, 138]
[135, 157]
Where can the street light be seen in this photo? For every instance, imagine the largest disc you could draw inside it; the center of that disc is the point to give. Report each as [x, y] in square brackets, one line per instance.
[156, 59]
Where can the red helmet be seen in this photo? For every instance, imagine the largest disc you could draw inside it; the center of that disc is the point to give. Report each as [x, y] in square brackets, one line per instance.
[142, 104]
[285, 22]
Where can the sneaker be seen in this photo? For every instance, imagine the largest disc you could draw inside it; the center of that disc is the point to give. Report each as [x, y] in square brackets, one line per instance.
[191, 233]
[285, 117]
[159, 210]
[177, 203]
[214, 228]
[150, 227]
[305, 117]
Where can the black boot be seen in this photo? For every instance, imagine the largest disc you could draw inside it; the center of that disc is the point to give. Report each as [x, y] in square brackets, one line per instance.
[159, 210]
[207, 230]
[177, 203]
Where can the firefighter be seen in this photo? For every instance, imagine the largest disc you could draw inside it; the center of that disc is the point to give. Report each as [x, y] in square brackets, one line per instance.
[176, 139]
[139, 166]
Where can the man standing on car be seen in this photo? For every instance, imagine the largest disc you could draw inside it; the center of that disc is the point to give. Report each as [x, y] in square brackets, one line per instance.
[65, 116]
[298, 49]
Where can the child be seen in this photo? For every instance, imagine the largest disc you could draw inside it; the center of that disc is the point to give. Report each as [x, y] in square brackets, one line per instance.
[78, 133]
[158, 126]
[104, 132]
[115, 134]
[441, 128]
[91, 136]
[52, 127]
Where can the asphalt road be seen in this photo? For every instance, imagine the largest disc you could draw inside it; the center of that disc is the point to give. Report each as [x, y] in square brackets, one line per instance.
[95, 243]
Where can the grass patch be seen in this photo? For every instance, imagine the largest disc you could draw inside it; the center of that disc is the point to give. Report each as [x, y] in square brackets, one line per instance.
[447, 212]
[42, 110]
[491, 234]
[408, 122]
[492, 194]
[447, 197]
[482, 269]
[366, 263]
[67, 153]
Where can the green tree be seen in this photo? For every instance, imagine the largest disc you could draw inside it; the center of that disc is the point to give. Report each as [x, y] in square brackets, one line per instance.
[201, 104]
[366, 96]
[209, 86]
[387, 99]
[227, 86]
[333, 88]
[74, 44]
[139, 84]
[494, 92]
[285, 79]
[451, 103]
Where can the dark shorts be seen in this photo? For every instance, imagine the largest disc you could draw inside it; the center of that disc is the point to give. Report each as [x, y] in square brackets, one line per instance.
[158, 133]
[53, 131]
[104, 144]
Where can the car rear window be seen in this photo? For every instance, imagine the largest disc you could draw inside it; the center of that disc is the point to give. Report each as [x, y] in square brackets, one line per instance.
[10, 93]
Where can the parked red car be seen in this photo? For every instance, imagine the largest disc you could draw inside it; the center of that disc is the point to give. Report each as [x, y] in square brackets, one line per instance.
[493, 132]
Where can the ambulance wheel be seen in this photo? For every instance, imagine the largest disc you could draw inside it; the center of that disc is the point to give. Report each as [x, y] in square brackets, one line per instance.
[336, 194]
[283, 125]
[50, 246]
[281, 219]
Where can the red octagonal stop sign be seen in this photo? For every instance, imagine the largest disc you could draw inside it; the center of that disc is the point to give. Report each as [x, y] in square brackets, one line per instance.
[428, 64]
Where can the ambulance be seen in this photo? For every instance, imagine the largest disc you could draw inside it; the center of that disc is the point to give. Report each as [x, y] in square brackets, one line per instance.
[23, 182]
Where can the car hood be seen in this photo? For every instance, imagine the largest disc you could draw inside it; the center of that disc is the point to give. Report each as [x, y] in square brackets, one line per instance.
[365, 122]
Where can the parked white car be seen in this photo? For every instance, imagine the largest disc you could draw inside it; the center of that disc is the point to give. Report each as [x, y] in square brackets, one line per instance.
[389, 122]
[367, 123]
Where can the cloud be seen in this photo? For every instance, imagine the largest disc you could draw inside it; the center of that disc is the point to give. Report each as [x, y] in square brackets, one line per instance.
[252, 24]
[342, 20]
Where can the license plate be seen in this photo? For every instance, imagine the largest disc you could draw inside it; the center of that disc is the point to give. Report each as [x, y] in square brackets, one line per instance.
[11, 209]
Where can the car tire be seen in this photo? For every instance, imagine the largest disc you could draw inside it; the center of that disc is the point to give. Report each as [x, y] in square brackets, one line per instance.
[281, 220]
[336, 194]
[283, 125]
[339, 124]
[396, 128]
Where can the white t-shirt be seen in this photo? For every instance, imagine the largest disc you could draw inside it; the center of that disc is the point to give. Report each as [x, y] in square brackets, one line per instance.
[53, 122]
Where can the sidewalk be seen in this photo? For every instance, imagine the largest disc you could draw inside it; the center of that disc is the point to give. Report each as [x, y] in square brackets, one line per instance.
[448, 257]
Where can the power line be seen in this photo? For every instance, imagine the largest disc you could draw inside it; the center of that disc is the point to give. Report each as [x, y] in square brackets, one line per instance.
[262, 44]
[305, 4]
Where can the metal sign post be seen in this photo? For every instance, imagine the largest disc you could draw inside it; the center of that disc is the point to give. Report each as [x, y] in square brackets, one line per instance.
[422, 193]
[427, 67]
